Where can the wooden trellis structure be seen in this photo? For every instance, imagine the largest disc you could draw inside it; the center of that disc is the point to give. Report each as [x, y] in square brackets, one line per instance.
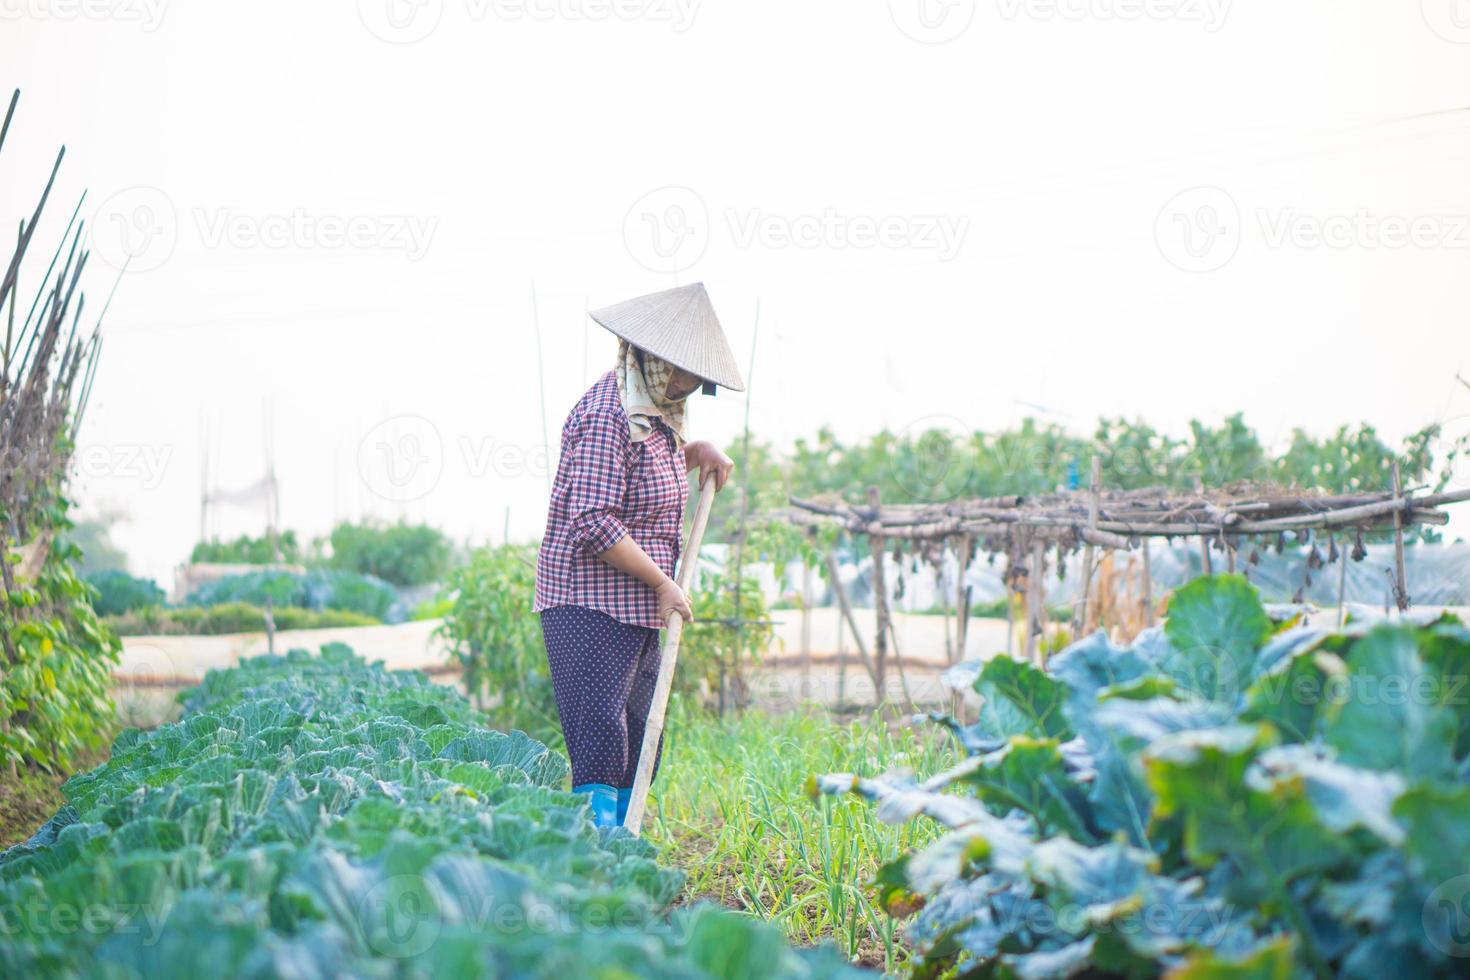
[1024, 529]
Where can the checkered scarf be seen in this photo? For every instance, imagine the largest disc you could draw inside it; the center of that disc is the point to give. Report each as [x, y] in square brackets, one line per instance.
[641, 389]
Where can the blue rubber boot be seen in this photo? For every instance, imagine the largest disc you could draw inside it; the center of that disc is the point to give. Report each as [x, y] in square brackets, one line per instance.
[624, 795]
[604, 802]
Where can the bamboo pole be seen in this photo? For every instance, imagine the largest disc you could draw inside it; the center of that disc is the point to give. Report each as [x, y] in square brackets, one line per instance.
[846, 606]
[1400, 582]
[1342, 557]
[841, 663]
[806, 630]
[1010, 595]
[1034, 599]
[948, 633]
[964, 552]
[880, 599]
[1080, 617]
[1319, 512]
[730, 674]
[903, 678]
[653, 729]
[1148, 586]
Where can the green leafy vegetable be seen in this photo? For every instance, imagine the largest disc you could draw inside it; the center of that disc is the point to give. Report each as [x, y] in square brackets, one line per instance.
[1215, 800]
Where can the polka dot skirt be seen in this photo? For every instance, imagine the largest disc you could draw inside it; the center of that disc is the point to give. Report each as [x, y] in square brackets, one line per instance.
[603, 673]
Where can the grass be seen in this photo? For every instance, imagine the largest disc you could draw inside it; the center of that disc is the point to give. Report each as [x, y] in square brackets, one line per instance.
[30, 797]
[733, 812]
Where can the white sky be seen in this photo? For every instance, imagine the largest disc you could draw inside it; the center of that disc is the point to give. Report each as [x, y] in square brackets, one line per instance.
[1026, 174]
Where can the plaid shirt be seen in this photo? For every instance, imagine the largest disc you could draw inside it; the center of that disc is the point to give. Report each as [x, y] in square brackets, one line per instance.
[608, 486]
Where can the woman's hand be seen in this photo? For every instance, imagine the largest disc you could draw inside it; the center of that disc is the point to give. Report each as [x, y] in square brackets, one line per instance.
[672, 599]
[708, 458]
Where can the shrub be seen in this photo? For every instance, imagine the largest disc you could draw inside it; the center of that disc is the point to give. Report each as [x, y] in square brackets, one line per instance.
[495, 637]
[318, 590]
[119, 592]
[711, 647]
[1221, 798]
[246, 550]
[404, 554]
[57, 665]
[228, 617]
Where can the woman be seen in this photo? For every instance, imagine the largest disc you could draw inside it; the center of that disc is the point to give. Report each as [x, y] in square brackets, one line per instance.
[604, 578]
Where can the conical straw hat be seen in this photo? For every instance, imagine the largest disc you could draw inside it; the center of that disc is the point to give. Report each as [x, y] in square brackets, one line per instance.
[680, 326]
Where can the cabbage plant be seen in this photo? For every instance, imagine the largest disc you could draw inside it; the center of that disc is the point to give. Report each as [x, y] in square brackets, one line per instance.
[1221, 798]
[320, 817]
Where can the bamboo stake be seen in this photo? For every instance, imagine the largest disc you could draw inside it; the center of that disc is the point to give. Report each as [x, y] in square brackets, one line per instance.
[1342, 557]
[1033, 603]
[1010, 595]
[730, 676]
[964, 552]
[846, 606]
[653, 729]
[1148, 586]
[806, 631]
[880, 600]
[841, 663]
[903, 678]
[948, 633]
[1080, 612]
[1112, 532]
[1400, 583]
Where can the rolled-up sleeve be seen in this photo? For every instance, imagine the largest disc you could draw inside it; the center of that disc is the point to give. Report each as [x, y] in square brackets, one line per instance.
[598, 483]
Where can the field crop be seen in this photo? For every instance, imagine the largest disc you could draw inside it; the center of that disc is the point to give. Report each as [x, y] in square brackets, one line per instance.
[316, 816]
[1219, 799]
